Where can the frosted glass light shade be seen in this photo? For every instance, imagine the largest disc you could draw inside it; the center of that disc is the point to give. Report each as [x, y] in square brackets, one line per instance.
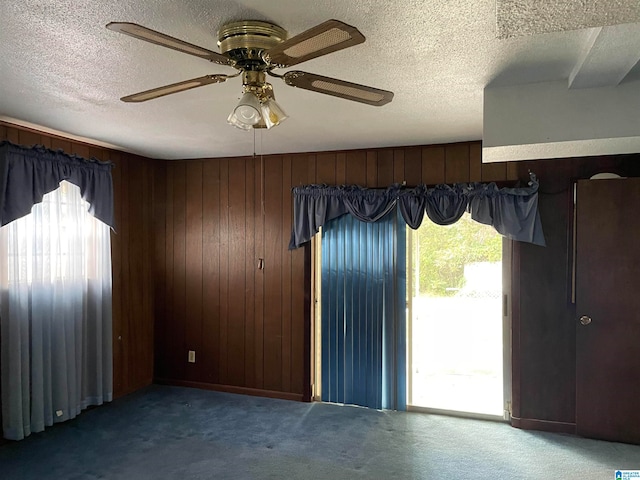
[247, 112]
[232, 120]
[272, 113]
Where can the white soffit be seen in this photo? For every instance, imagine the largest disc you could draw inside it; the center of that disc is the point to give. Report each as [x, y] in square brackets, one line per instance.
[547, 120]
[610, 54]
[515, 18]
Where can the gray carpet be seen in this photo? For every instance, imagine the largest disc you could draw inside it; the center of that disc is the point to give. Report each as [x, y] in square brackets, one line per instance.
[180, 433]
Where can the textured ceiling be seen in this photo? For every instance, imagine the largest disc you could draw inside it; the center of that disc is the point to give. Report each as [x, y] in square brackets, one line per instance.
[61, 69]
[527, 17]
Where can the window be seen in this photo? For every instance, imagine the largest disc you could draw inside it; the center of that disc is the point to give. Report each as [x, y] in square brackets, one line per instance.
[55, 306]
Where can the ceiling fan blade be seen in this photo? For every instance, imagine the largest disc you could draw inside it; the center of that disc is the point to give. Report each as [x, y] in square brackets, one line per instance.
[174, 88]
[322, 39]
[151, 36]
[338, 88]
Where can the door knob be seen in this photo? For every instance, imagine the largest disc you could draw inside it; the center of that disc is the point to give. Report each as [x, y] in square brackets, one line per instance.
[585, 320]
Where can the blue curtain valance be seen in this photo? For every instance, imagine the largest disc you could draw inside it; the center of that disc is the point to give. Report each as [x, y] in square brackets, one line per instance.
[28, 173]
[513, 212]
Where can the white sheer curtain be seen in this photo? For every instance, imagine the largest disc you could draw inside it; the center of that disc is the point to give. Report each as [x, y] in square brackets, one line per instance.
[55, 313]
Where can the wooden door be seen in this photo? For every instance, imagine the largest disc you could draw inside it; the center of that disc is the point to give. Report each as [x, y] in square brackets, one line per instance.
[608, 309]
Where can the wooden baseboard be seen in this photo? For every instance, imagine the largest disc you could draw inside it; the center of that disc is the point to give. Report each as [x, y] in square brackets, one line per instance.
[543, 425]
[256, 392]
[132, 389]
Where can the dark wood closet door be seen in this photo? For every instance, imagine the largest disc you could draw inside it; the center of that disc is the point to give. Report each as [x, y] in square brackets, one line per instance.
[608, 309]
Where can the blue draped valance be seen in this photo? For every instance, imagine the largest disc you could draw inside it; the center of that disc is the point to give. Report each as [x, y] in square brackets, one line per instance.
[28, 173]
[513, 212]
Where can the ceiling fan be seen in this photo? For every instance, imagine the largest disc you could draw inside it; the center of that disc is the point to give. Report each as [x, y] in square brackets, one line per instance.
[255, 48]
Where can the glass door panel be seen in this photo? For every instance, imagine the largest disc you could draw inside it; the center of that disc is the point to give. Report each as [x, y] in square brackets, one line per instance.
[456, 354]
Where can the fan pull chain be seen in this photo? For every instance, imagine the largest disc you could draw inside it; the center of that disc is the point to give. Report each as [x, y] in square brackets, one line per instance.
[261, 174]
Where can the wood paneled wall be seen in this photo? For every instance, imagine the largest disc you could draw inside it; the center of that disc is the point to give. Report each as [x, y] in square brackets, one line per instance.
[132, 253]
[223, 219]
[191, 234]
[220, 217]
[192, 237]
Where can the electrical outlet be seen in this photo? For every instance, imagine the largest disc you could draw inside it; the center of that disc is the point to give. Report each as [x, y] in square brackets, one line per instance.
[192, 356]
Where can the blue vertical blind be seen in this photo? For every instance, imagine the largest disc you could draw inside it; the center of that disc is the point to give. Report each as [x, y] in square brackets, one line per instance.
[364, 312]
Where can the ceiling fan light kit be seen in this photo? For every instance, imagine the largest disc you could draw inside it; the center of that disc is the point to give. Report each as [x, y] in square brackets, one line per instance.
[255, 48]
[257, 107]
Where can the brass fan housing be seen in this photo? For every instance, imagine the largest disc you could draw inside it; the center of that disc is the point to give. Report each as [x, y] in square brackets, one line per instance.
[245, 41]
[255, 82]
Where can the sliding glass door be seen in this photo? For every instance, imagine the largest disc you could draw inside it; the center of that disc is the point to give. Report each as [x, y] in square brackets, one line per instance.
[444, 352]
